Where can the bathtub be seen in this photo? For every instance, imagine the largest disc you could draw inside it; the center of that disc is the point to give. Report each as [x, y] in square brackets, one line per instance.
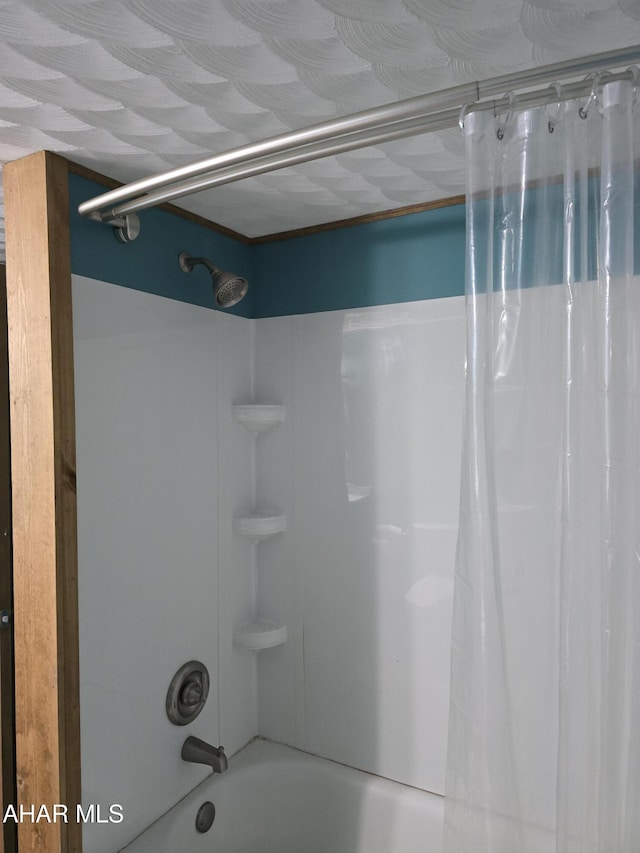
[274, 799]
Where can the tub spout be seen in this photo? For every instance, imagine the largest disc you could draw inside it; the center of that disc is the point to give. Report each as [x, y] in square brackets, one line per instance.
[198, 751]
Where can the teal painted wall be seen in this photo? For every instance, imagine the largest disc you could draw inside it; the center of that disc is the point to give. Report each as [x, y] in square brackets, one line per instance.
[406, 258]
[402, 259]
[150, 263]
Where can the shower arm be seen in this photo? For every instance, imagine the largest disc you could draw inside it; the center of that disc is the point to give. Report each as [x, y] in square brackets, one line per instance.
[187, 263]
[410, 117]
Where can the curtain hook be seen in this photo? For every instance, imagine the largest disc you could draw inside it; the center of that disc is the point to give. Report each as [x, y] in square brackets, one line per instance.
[462, 115]
[512, 102]
[634, 72]
[583, 112]
[551, 124]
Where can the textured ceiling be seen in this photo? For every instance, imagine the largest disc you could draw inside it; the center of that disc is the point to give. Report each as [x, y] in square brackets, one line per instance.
[132, 87]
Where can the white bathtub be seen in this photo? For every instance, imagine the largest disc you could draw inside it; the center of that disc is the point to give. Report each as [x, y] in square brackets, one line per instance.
[274, 799]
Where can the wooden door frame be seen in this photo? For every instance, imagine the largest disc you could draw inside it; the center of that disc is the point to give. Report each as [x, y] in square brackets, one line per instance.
[42, 417]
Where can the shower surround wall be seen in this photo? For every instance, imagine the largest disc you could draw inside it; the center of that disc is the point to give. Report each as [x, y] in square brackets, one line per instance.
[365, 467]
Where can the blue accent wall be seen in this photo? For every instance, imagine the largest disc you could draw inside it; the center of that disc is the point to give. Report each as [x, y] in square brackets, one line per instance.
[150, 263]
[401, 259]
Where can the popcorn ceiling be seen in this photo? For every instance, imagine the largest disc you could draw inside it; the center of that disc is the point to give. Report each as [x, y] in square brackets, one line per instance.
[133, 87]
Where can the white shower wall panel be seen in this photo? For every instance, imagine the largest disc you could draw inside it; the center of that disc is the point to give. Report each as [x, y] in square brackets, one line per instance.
[368, 472]
[156, 461]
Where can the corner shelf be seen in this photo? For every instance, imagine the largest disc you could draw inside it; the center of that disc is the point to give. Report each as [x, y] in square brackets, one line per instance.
[261, 634]
[259, 525]
[258, 417]
[357, 493]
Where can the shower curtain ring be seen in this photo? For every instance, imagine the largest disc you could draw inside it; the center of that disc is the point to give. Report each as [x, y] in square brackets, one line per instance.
[512, 101]
[559, 105]
[635, 77]
[583, 112]
[461, 116]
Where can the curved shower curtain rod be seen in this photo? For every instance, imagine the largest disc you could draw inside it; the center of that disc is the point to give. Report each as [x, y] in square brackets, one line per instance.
[422, 114]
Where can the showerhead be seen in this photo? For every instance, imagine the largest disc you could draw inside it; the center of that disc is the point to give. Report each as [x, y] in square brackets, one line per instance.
[228, 287]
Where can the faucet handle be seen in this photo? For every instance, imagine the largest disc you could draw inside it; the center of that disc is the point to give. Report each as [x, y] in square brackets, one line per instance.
[191, 693]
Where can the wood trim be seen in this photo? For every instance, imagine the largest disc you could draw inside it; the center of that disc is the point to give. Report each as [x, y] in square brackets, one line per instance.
[359, 220]
[110, 183]
[44, 497]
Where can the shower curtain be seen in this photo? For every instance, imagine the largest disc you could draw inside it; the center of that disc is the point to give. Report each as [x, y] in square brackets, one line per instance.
[544, 741]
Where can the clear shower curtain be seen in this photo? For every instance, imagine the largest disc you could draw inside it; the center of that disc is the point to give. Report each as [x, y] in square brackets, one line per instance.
[544, 740]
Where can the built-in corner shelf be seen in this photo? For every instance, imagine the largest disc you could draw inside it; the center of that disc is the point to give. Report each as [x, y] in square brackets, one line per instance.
[259, 524]
[261, 634]
[258, 417]
[357, 493]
